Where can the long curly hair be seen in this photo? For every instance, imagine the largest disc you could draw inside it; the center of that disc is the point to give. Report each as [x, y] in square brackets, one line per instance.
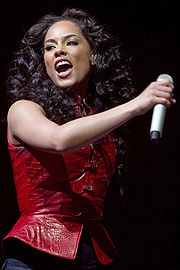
[110, 82]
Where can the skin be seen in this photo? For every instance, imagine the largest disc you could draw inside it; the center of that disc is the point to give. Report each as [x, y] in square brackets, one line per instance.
[27, 122]
[64, 40]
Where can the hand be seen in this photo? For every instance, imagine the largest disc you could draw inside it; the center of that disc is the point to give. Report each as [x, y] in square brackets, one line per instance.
[156, 93]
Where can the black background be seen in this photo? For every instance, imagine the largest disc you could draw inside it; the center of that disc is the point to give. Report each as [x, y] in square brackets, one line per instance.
[145, 227]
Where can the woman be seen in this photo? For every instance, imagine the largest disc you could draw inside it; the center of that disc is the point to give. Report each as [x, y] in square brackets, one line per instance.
[71, 93]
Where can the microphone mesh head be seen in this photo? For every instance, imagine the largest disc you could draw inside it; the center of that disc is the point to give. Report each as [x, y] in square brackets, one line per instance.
[165, 77]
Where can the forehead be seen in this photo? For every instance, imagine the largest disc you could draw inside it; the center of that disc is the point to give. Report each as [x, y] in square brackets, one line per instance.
[63, 28]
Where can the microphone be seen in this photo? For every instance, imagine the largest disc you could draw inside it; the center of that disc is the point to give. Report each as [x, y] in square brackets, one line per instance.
[158, 116]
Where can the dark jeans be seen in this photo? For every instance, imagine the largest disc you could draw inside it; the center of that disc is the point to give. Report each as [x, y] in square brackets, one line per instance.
[23, 257]
[86, 263]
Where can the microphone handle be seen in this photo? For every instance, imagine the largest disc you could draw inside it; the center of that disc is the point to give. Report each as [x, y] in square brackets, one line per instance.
[157, 123]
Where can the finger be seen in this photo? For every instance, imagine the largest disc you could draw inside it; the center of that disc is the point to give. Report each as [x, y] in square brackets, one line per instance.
[160, 93]
[162, 85]
[164, 91]
[165, 83]
[172, 99]
[165, 88]
[164, 101]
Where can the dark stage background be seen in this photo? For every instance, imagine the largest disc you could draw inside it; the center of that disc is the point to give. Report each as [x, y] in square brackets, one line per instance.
[145, 226]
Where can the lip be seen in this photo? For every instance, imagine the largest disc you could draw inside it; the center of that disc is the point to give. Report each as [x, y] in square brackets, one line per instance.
[66, 73]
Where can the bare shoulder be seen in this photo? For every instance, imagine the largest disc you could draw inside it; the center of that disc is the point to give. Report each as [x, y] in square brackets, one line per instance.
[22, 106]
[21, 116]
[23, 109]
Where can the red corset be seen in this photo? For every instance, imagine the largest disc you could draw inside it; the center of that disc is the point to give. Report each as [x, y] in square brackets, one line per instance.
[59, 194]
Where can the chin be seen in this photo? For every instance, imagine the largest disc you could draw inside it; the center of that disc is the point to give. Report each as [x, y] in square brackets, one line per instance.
[65, 85]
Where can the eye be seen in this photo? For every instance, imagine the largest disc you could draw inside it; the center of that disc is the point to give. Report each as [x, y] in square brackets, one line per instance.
[49, 47]
[72, 42]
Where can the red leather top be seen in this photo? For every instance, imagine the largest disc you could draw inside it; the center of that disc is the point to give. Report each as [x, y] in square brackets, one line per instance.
[59, 194]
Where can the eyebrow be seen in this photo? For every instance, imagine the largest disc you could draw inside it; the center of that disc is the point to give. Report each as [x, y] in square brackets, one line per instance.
[65, 37]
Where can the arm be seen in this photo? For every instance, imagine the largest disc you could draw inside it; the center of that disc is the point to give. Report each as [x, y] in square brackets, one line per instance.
[27, 121]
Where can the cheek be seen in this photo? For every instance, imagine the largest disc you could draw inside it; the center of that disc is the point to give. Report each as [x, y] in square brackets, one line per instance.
[81, 55]
[86, 66]
[83, 61]
[47, 64]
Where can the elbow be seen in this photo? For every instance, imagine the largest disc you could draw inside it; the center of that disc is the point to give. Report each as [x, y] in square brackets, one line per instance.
[59, 146]
[61, 143]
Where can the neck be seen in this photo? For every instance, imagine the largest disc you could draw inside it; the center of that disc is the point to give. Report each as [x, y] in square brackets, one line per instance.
[80, 90]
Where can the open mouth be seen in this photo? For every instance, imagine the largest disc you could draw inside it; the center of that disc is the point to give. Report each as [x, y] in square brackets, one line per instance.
[63, 68]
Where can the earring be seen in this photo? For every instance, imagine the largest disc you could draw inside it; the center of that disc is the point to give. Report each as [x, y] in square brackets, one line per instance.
[93, 60]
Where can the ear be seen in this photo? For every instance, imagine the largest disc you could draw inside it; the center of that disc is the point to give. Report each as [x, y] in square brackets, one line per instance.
[93, 59]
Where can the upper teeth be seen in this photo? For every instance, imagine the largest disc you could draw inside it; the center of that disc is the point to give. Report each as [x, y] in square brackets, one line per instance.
[62, 63]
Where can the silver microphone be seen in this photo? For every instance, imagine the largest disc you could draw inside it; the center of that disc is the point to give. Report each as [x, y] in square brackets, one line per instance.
[158, 116]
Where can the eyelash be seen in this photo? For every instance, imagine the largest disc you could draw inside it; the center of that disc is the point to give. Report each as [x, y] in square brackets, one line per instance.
[49, 47]
[69, 43]
[72, 42]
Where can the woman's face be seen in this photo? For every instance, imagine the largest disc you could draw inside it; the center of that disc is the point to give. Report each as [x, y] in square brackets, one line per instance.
[67, 56]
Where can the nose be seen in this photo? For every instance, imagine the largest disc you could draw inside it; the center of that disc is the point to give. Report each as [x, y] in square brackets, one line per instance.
[60, 52]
